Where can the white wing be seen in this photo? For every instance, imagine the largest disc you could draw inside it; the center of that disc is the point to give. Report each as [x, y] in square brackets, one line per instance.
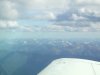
[71, 66]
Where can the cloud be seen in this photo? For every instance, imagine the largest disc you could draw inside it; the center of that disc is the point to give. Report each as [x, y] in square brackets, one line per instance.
[23, 9]
[71, 27]
[40, 9]
[77, 17]
[43, 4]
[8, 24]
[7, 10]
[95, 26]
[13, 25]
[88, 1]
[79, 12]
[45, 16]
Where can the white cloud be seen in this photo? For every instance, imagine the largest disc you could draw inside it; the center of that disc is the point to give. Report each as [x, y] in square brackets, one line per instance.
[76, 17]
[51, 15]
[13, 10]
[13, 25]
[89, 10]
[46, 4]
[8, 24]
[46, 9]
[89, 1]
[95, 26]
[46, 15]
[23, 8]
[26, 28]
[7, 10]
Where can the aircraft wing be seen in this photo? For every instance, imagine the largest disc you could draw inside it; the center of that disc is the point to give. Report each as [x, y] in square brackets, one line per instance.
[72, 66]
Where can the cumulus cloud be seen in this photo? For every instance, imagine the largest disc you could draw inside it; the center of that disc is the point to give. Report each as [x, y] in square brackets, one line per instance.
[96, 26]
[79, 12]
[8, 24]
[8, 10]
[77, 17]
[45, 15]
[43, 4]
[8, 14]
[12, 9]
[82, 15]
[88, 1]
[13, 25]
[27, 8]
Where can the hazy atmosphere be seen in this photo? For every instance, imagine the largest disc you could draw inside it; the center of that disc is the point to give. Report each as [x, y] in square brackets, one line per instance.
[33, 33]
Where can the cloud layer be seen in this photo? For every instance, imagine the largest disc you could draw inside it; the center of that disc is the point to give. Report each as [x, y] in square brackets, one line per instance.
[12, 9]
[84, 13]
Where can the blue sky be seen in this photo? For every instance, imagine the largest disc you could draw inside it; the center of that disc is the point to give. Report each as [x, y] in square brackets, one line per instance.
[54, 15]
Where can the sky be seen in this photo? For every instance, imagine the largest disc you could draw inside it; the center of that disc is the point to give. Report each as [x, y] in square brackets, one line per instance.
[50, 15]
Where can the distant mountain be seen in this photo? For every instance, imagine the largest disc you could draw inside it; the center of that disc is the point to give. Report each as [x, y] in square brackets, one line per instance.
[30, 56]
